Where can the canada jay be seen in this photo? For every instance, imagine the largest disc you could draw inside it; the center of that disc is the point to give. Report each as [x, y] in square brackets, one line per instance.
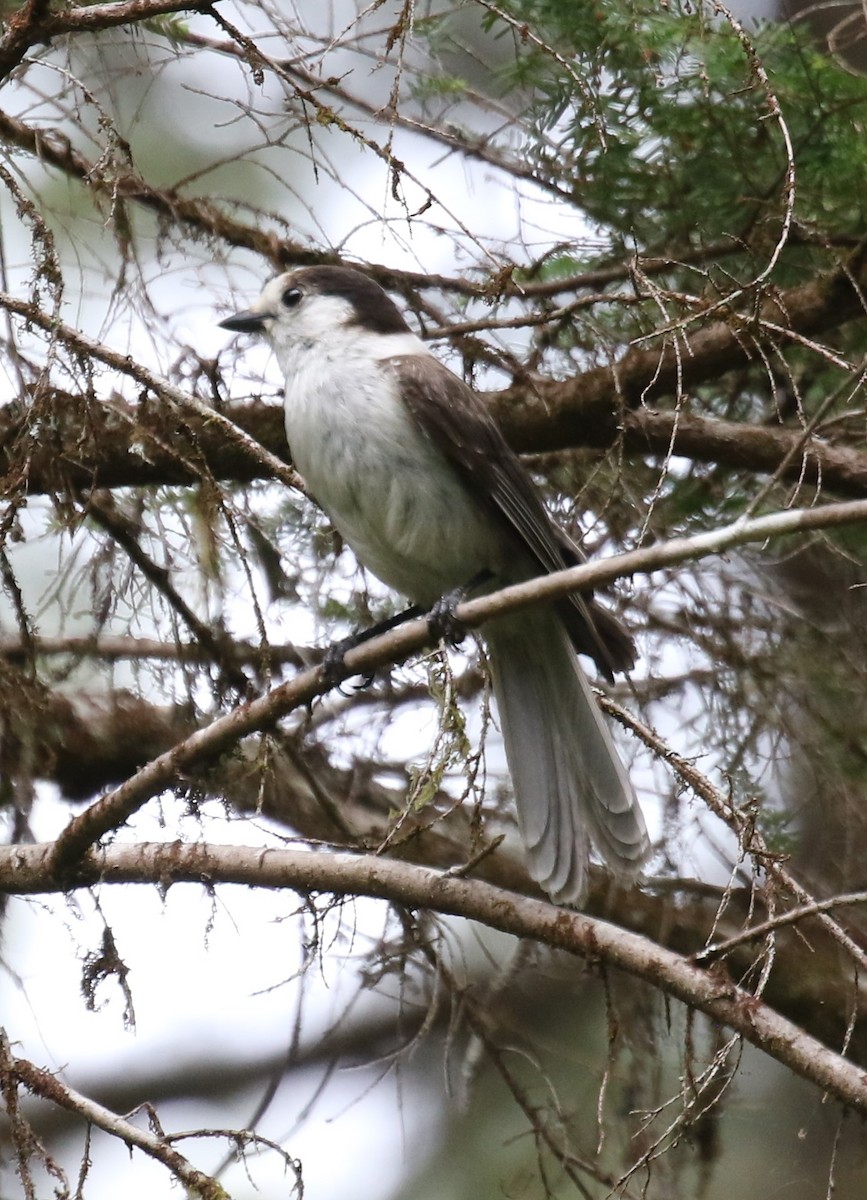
[417, 478]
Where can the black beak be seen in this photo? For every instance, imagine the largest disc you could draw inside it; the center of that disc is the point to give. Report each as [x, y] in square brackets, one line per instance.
[244, 322]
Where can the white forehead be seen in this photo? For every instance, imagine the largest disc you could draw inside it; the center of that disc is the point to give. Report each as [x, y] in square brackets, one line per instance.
[272, 293]
[316, 316]
[269, 297]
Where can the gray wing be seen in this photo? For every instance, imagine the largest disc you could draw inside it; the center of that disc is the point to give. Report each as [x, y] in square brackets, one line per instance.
[455, 419]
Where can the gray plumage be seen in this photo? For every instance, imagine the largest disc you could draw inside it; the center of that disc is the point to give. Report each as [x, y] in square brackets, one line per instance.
[419, 481]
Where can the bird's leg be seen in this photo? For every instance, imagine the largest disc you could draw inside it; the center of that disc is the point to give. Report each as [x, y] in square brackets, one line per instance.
[441, 620]
[333, 664]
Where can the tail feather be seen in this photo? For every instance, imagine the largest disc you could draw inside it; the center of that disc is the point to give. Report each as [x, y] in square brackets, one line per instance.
[570, 786]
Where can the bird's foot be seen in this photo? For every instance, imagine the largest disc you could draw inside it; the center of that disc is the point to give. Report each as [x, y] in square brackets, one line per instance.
[442, 622]
[334, 665]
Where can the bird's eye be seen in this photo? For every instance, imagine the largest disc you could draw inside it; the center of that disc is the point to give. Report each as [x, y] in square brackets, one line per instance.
[291, 297]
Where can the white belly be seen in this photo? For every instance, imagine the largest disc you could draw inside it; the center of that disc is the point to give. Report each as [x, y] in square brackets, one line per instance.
[387, 489]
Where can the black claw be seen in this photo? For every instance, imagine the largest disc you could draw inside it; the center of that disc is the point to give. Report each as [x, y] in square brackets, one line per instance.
[334, 666]
[441, 620]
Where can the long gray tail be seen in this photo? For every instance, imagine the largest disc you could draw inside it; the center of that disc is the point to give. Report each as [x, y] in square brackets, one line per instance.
[570, 787]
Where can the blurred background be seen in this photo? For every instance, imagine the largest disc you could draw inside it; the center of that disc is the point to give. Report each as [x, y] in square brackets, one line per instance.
[636, 228]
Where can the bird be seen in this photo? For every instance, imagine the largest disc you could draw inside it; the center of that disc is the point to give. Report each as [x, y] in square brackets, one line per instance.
[418, 479]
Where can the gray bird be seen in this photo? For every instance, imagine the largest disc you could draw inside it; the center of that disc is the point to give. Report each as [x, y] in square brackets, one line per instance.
[419, 481]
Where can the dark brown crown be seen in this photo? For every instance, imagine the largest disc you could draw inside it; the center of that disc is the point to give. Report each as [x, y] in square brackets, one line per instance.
[374, 309]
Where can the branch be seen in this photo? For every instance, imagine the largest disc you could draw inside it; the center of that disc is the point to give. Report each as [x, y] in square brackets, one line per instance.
[200, 218]
[197, 217]
[80, 343]
[793, 917]
[81, 747]
[92, 18]
[86, 745]
[113, 648]
[742, 823]
[669, 553]
[35, 22]
[18, 1071]
[208, 744]
[102, 451]
[805, 459]
[556, 413]
[123, 532]
[22, 31]
[109, 445]
[29, 870]
[98, 452]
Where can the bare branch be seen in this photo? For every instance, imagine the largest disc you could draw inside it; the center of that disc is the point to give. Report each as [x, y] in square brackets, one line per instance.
[106, 514]
[549, 416]
[110, 648]
[805, 459]
[296, 785]
[92, 18]
[793, 917]
[186, 401]
[21, 32]
[207, 744]
[49, 1087]
[31, 870]
[100, 454]
[743, 824]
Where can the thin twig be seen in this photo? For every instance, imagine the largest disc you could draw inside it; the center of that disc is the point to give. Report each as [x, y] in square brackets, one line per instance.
[114, 523]
[743, 826]
[49, 1087]
[127, 365]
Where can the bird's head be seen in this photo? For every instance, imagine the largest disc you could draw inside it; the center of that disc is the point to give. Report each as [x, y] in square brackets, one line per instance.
[319, 305]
